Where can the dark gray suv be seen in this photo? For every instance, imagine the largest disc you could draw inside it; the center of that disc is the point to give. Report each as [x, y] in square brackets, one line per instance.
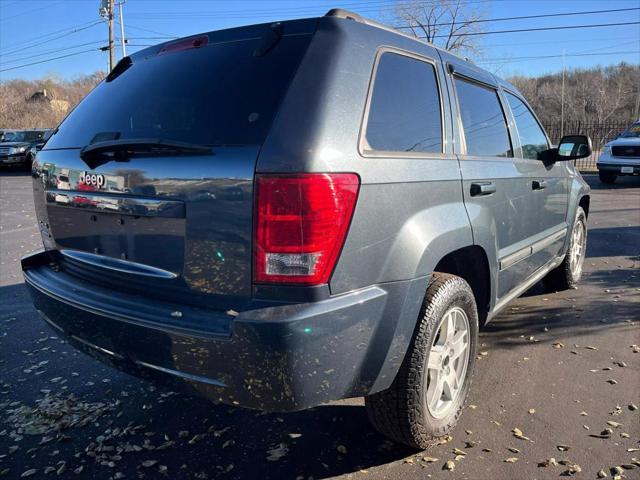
[277, 216]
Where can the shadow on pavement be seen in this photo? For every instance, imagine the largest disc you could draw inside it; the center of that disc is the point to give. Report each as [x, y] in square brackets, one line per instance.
[14, 172]
[614, 242]
[620, 183]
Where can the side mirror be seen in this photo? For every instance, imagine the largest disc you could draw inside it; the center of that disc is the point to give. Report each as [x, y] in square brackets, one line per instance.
[572, 147]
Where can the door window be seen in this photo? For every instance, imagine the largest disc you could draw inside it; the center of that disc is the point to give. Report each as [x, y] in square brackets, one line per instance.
[404, 110]
[532, 137]
[483, 121]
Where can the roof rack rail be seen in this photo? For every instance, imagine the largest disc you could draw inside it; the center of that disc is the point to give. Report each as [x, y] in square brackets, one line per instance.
[346, 14]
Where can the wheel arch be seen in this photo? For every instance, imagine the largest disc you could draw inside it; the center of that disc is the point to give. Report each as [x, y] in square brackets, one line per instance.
[472, 265]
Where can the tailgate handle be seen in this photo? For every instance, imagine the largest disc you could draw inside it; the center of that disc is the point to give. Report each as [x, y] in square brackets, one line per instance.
[485, 188]
[538, 185]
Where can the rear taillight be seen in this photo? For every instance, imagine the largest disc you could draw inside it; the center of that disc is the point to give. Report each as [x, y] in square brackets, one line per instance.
[300, 225]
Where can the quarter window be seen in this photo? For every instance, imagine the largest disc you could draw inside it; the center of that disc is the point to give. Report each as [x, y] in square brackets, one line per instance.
[404, 111]
[483, 122]
[532, 137]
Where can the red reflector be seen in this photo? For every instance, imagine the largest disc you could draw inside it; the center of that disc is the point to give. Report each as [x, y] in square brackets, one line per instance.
[186, 44]
[300, 225]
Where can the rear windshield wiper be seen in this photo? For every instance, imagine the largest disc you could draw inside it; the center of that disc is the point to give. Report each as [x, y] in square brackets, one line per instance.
[99, 153]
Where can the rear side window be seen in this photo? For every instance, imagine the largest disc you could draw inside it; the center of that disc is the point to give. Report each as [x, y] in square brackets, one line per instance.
[404, 110]
[532, 137]
[483, 122]
[219, 94]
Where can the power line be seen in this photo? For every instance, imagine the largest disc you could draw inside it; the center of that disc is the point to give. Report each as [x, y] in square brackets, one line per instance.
[48, 60]
[51, 39]
[539, 57]
[32, 39]
[292, 11]
[501, 19]
[538, 29]
[148, 30]
[30, 11]
[47, 52]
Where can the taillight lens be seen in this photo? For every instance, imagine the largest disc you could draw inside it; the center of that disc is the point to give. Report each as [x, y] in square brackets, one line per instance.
[301, 221]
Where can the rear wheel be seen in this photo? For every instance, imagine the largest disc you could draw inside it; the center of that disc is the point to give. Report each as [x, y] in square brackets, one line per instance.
[426, 398]
[607, 177]
[568, 273]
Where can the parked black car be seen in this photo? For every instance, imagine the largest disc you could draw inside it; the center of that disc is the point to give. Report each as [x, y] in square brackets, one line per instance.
[18, 148]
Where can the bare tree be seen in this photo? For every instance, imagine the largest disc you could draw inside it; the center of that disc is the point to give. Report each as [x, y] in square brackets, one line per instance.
[449, 24]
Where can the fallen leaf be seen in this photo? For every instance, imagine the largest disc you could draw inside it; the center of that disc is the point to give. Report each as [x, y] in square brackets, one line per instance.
[551, 462]
[518, 434]
[510, 460]
[558, 345]
[342, 449]
[563, 448]
[589, 347]
[633, 407]
[532, 411]
[450, 465]
[612, 381]
[602, 474]
[457, 451]
[614, 424]
[28, 473]
[513, 450]
[430, 459]
[278, 452]
[149, 463]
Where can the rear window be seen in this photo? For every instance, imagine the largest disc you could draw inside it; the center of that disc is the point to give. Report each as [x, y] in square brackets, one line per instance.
[219, 94]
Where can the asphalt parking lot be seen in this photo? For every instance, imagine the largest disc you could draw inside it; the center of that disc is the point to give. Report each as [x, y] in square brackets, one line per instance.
[559, 367]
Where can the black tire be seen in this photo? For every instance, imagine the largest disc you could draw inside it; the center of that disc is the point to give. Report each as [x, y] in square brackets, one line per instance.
[400, 412]
[607, 177]
[566, 275]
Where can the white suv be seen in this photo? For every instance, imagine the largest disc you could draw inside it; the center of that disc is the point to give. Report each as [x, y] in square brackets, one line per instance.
[621, 156]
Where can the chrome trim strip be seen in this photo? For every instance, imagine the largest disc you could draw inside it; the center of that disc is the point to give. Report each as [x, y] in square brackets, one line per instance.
[513, 258]
[117, 265]
[519, 290]
[184, 375]
[545, 242]
[96, 347]
[116, 204]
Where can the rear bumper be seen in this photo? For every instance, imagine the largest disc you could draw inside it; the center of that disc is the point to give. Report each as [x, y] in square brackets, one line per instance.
[617, 167]
[281, 358]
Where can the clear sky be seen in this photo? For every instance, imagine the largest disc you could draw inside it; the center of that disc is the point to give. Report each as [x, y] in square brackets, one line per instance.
[37, 30]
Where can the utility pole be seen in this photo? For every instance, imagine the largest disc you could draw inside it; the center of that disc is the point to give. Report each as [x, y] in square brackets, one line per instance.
[106, 11]
[562, 99]
[122, 40]
[110, 22]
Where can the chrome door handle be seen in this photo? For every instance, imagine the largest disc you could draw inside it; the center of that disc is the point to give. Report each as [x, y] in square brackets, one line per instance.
[484, 188]
[538, 185]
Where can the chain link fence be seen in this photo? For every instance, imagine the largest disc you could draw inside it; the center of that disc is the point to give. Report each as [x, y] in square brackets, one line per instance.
[600, 133]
